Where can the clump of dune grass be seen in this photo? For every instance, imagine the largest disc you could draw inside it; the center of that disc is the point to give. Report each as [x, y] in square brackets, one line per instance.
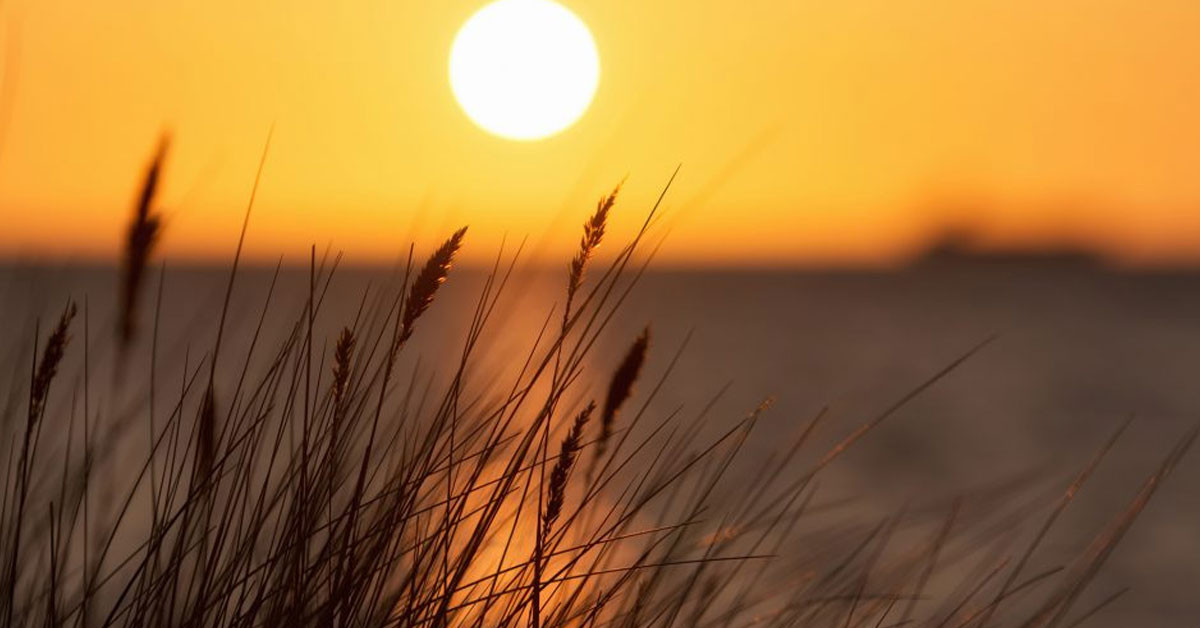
[349, 487]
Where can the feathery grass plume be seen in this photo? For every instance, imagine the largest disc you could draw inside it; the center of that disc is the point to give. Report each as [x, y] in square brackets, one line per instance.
[140, 239]
[621, 387]
[554, 503]
[52, 355]
[206, 436]
[432, 275]
[342, 356]
[562, 468]
[39, 391]
[593, 233]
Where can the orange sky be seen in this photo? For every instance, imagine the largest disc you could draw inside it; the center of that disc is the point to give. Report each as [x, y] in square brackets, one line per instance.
[808, 130]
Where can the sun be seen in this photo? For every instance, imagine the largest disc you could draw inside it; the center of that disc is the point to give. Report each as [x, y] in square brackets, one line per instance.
[524, 69]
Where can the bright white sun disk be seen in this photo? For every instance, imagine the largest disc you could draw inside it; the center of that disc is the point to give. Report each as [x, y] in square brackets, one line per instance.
[524, 69]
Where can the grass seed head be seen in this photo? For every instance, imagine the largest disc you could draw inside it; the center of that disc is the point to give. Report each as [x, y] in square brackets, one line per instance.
[47, 368]
[593, 234]
[621, 386]
[562, 468]
[140, 237]
[432, 275]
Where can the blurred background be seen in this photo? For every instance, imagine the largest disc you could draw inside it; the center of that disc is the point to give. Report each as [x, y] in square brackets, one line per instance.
[844, 133]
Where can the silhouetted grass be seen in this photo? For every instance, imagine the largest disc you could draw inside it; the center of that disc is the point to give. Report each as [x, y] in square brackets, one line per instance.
[343, 490]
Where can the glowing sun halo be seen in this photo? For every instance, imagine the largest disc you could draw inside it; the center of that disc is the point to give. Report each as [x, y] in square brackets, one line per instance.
[524, 69]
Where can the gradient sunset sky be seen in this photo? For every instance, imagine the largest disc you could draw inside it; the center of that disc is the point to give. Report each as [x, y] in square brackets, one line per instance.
[848, 131]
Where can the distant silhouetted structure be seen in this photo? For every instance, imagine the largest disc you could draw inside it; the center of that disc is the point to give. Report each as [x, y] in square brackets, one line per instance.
[957, 247]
